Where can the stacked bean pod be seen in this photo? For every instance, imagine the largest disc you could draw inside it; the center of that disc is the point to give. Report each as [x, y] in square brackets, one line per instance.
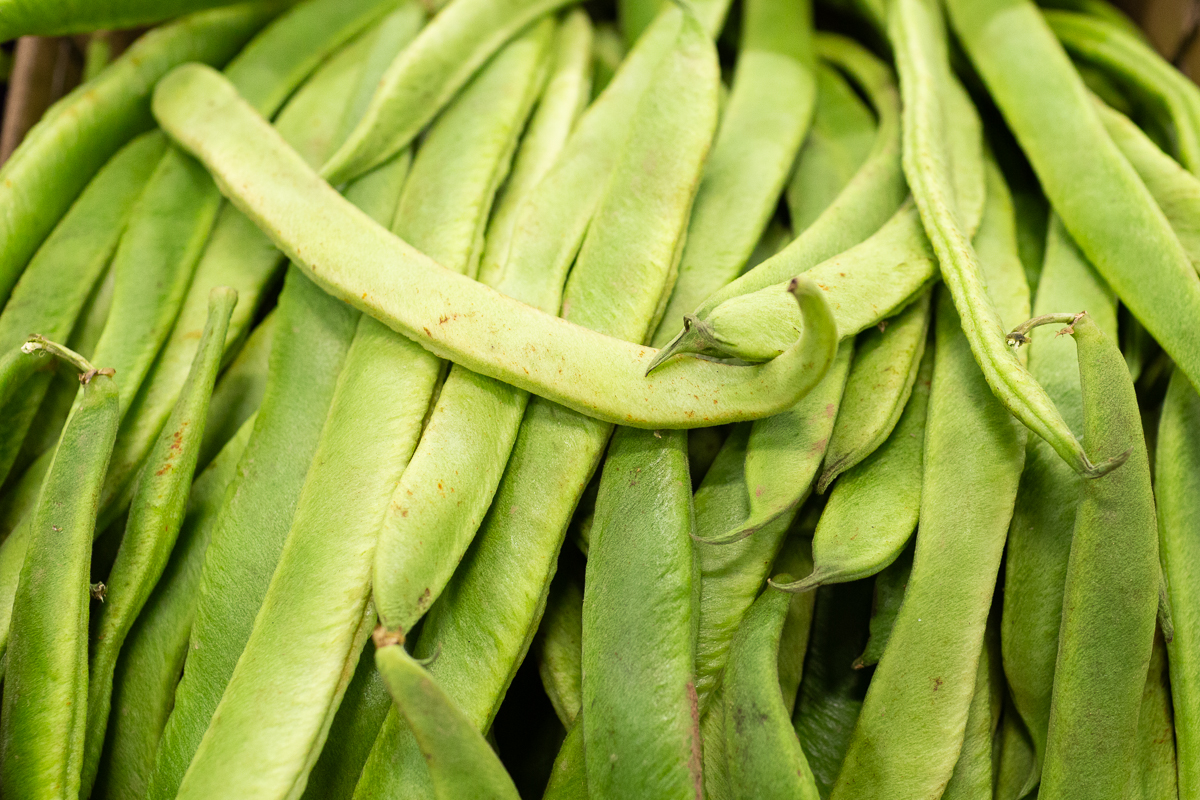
[499, 398]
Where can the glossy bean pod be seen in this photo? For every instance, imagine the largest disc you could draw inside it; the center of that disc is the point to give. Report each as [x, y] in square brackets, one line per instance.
[61, 153]
[159, 505]
[45, 681]
[251, 163]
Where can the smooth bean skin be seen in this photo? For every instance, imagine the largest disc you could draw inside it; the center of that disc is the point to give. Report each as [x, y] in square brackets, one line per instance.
[890, 584]
[238, 392]
[256, 513]
[568, 89]
[640, 719]
[860, 209]
[56, 284]
[1137, 67]
[559, 649]
[375, 419]
[1039, 539]
[765, 757]
[461, 762]
[154, 651]
[159, 506]
[872, 511]
[1177, 488]
[843, 130]
[80, 132]
[1093, 189]
[427, 76]
[45, 681]
[17, 366]
[30, 17]
[877, 390]
[926, 677]
[557, 449]
[446, 315]
[1111, 591]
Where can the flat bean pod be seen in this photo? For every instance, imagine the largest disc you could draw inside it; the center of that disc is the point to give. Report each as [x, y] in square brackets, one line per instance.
[765, 757]
[1155, 772]
[640, 719]
[1039, 539]
[972, 776]
[1095, 191]
[374, 422]
[510, 341]
[76, 136]
[1017, 760]
[461, 762]
[1135, 64]
[890, 584]
[45, 681]
[154, 651]
[557, 449]
[159, 505]
[877, 390]
[559, 648]
[427, 76]
[1177, 465]
[238, 392]
[25, 17]
[843, 130]
[872, 511]
[795, 559]
[56, 284]
[1111, 588]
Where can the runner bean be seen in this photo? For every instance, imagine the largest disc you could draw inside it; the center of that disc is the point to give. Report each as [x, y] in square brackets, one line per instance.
[239, 391]
[78, 135]
[159, 505]
[45, 681]
[972, 776]
[22, 17]
[559, 646]
[233, 142]
[890, 584]
[1155, 771]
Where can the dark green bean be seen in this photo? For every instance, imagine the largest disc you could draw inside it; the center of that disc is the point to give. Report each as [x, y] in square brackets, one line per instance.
[890, 584]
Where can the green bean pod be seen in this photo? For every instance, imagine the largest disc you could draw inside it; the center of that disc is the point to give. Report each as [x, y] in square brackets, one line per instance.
[18, 365]
[154, 651]
[374, 422]
[1174, 189]
[461, 762]
[256, 513]
[28, 17]
[860, 208]
[238, 392]
[795, 559]
[559, 649]
[55, 286]
[508, 567]
[1039, 539]
[510, 341]
[890, 584]
[1176, 479]
[872, 511]
[238, 254]
[973, 776]
[427, 76]
[765, 757]
[926, 677]
[1155, 771]
[565, 97]
[831, 694]
[1111, 588]
[1093, 189]
[80, 132]
[843, 130]
[568, 774]
[881, 380]
[1017, 758]
[45, 681]
[1135, 65]
[640, 718]
[159, 504]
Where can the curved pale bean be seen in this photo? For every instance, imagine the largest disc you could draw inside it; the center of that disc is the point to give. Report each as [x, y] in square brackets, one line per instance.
[79, 133]
[877, 390]
[377, 272]
[427, 76]
[159, 504]
[45, 681]
[238, 392]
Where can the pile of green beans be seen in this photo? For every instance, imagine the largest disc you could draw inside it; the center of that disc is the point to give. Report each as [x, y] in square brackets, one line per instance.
[456, 399]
